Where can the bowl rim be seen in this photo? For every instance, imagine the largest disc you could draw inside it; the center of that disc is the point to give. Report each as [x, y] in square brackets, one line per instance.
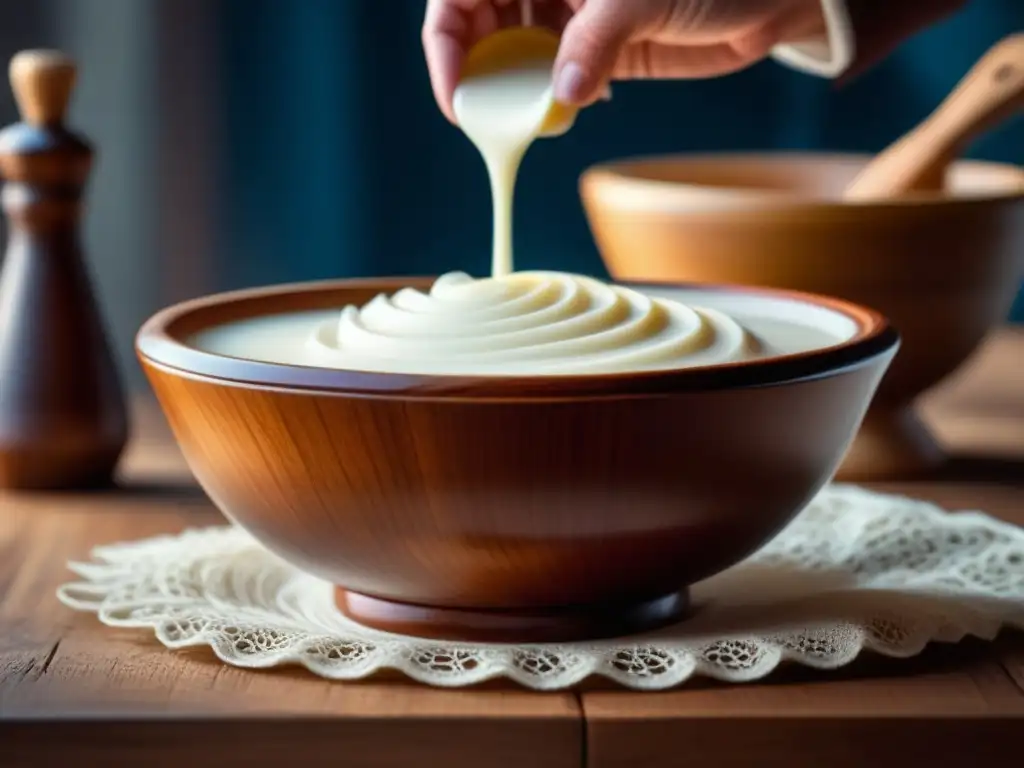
[617, 172]
[159, 343]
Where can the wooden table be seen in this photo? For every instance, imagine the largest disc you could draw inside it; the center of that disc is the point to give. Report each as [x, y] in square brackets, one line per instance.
[69, 686]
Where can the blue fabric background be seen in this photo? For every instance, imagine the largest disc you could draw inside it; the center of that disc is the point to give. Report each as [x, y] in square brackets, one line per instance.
[338, 162]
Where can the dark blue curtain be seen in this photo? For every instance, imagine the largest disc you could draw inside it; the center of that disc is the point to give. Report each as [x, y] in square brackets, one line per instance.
[337, 162]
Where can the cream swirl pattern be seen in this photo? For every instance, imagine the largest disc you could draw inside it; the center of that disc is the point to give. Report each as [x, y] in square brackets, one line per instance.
[528, 323]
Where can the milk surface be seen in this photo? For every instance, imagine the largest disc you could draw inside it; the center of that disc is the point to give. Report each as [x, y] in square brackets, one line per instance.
[537, 327]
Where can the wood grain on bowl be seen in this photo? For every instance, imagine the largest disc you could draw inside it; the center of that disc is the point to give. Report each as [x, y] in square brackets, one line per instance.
[506, 509]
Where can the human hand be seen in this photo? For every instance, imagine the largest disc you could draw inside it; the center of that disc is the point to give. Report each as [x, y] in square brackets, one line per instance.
[621, 39]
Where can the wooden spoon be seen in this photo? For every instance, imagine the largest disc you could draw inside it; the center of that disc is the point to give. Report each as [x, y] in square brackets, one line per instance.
[991, 92]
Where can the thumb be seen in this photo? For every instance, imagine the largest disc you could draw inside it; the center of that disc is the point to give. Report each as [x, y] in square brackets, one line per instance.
[590, 48]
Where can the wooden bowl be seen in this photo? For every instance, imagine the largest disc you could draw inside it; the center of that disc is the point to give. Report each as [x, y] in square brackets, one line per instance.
[508, 509]
[943, 268]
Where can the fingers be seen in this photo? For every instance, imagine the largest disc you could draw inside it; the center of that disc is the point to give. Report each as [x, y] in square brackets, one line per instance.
[447, 28]
[632, 39]
[601, 41]
[450, 28]
[680, 62]
[591, 45]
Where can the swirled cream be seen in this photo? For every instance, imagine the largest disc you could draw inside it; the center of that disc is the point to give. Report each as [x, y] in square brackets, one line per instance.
[528, 323]
[534, 323]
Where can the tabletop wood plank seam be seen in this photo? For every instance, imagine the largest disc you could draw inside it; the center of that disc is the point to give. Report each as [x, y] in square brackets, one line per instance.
[1007, 669]
[577, 697]
[48, 659]
[1011, 660]
[31, 672]
[1003, 667]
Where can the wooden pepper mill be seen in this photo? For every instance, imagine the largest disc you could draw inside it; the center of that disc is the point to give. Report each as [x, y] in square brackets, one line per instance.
[63, 420]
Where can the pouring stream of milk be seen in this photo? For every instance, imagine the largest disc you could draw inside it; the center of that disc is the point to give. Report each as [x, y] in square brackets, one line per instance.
[504, 102]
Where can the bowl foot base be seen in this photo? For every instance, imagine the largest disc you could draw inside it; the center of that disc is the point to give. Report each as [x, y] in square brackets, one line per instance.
[891, 444]
[555, 625]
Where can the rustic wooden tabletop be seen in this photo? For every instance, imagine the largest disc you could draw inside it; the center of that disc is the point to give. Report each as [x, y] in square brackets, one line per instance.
[69, 686]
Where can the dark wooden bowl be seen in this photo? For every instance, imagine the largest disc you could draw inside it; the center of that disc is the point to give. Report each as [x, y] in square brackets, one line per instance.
[944, 268]
[507, 509]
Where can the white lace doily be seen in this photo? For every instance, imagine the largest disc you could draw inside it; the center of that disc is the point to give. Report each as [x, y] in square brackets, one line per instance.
[855, 571]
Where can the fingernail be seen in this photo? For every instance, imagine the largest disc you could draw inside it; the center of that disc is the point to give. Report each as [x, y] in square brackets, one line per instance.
[569, 84]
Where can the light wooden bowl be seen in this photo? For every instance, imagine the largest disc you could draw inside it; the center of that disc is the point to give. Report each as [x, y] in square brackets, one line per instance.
[519, 509]
[944, 268]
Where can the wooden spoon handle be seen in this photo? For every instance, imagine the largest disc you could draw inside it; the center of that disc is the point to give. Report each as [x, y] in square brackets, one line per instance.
[991, 92]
